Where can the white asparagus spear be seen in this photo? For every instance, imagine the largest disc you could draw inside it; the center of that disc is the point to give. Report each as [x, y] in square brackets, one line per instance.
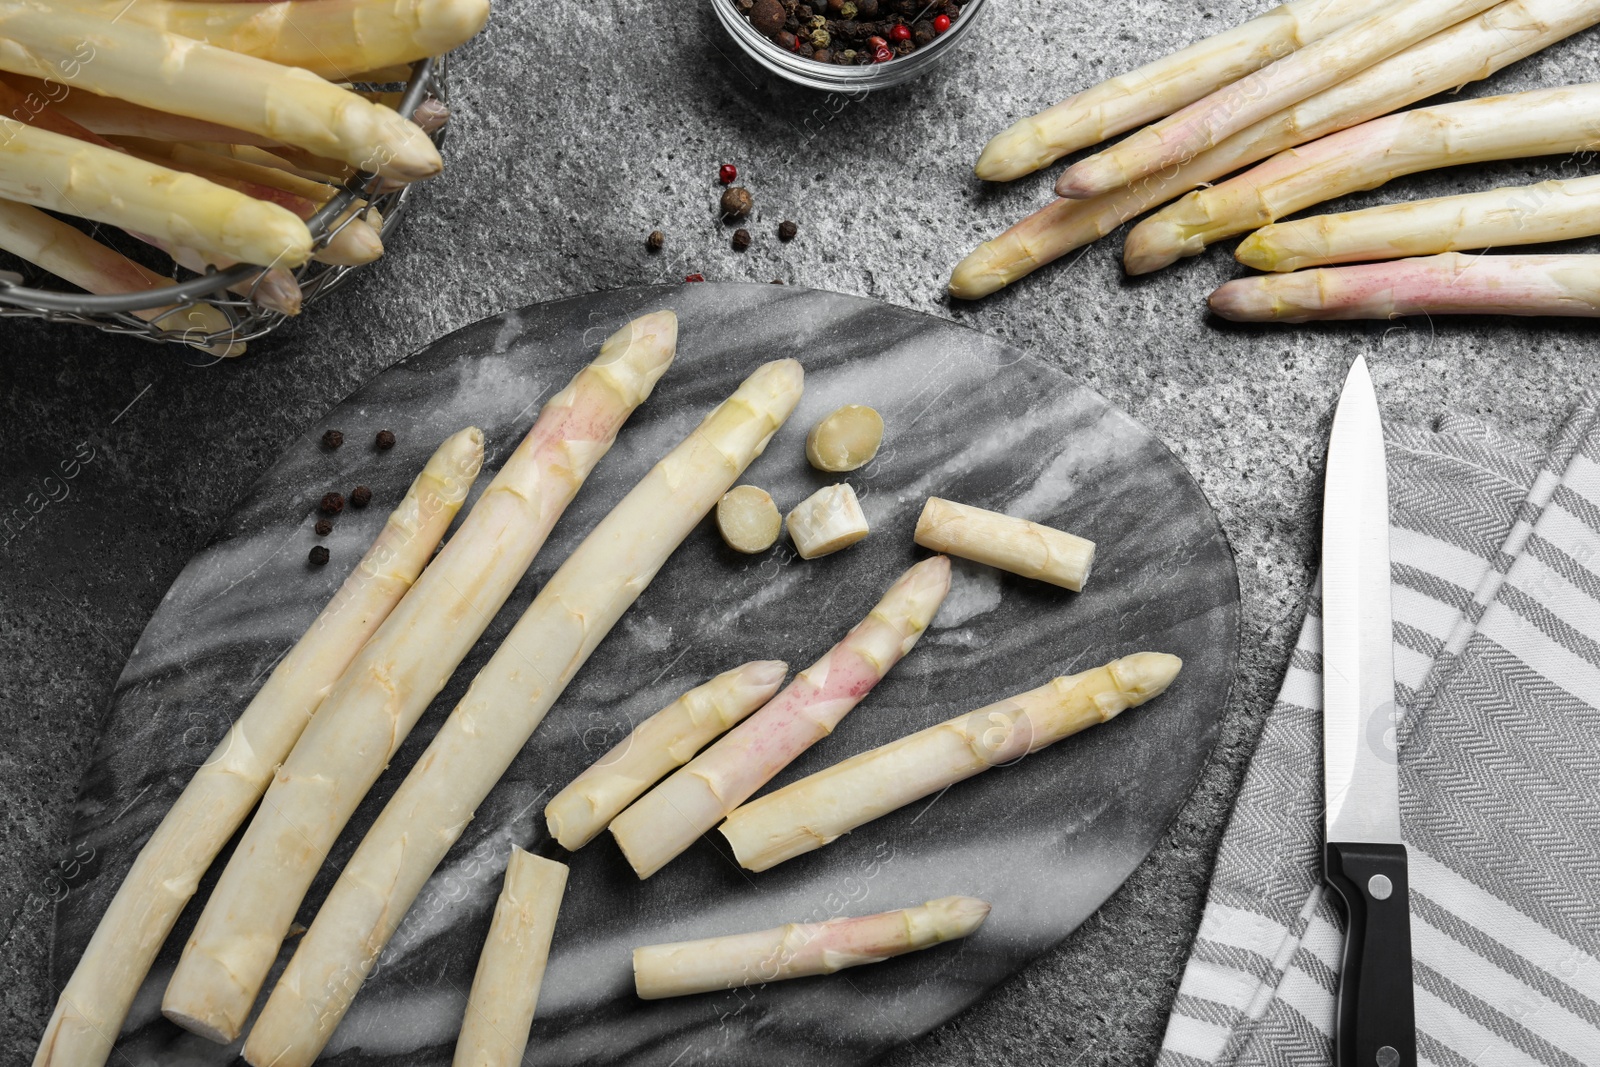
[571, 615]
[748, 519]
[1012, 544]
[60, 173]
[799, 950]
[671, 816]
[338, 39]
[135, 62]
[1540, 122]
[1322, 65]
[1449, 284]
[211, 807]
[1559, 210]
[1158, 89]
[817, 810]
[1466, 52]
[656, 747]
[845, 440]
[379, 698]
[69, 253]
[505, 987]
[826, 521]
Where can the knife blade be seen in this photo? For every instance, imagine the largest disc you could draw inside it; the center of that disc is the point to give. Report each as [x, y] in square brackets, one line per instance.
[1364, 858]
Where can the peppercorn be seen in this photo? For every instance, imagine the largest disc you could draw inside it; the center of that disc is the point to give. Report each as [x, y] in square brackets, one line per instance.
[323, 527]
[786, 230]
[881, 54]
[777, 281]
[900, 32]
[741, 240]
[318, 556]
[941, 24]
[867, 9]
[332, 439]
[849, 10]
[737, 202]
[822, 55]
[655, 240]
[727, 173]
[385, 440]
[694, 277]
[820, 39]
[768, 16]
[360, 496]
[922, 33]
[331, 504]
[787, 41]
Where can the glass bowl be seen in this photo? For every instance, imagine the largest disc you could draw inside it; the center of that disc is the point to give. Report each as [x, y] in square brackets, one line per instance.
[829, 77]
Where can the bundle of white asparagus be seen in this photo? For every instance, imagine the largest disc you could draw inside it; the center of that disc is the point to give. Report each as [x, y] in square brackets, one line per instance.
[1301, 72]
[209, 76]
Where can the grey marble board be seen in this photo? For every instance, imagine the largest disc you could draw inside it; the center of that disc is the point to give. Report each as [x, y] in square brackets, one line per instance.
[969, 417]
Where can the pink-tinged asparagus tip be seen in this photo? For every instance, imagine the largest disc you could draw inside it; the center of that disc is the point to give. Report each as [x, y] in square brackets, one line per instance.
[1154, 244]
[1089, 178]
[957, 917]
[1145, 675]
[1244, 300]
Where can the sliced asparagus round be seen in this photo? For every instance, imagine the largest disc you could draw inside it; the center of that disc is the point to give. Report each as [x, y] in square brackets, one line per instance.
[845, 439]
[817, 810]
[826, 521]
[505, 987]
[662, 743]
[799, 950]
[748, 519]
[571, 615]
[670, 817]
[377, 700]
[1012, 544]
[217, 799]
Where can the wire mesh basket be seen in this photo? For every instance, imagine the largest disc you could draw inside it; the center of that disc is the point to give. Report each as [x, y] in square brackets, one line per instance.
[233, 291]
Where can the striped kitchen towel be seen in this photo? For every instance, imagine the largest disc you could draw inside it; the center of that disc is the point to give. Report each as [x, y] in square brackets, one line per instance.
[1496, 566]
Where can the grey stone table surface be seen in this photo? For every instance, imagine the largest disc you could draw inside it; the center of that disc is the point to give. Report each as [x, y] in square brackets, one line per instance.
[581, 127]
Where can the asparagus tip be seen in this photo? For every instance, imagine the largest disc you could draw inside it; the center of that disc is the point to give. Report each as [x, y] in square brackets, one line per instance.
[1241, 300]
[1256, 251]
[1145, 675]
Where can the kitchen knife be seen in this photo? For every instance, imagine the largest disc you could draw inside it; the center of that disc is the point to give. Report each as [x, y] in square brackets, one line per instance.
[1365, 859]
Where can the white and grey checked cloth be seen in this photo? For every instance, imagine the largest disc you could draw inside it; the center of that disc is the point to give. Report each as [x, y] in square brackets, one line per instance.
[1496, 567]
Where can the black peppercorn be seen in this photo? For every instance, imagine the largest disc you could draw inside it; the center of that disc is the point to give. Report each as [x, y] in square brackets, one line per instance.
[332, 504]
[360, 496]
[655, 240]
[768, 16]
[736, 202]
[787, 229]
[867, 9]
[822, 55]
[741, 240]
[318, 556]
[324, 527]
[332, 439]
[385, 440]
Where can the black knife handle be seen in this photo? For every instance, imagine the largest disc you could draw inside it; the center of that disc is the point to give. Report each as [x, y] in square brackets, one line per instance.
[1376, 1023]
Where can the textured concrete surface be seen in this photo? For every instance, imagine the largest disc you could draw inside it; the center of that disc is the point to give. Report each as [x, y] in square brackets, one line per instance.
[579, 129]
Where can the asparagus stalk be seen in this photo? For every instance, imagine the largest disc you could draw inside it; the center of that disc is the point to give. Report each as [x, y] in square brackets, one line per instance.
[68, 253]
[111, 117]
[96, 999]
[799, 950]
[337, 39]
[826, 521]
[59, 173]
[1012, 544]
[819, 809]
[1541, 122]
[505, 987]
[748, 519]
[1158, 89]
[1465, 52]
[845, 440]
[379, 698]
[1519, 215]
[1448, 284]
[662, 743]
[671, 816]
[1321, 65]
[511, 694]
[164, 71]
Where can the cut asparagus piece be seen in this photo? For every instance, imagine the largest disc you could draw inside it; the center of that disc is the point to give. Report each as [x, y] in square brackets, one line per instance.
[338, 39]
[817, 810]
[511, 694]
[380, 696]
[748, 519]
[167, 72]
[1449, 284]
[1321, 65]
[1540, 122]
[1015, 545]
[1158, 89]
[1520, 215]
[656, 747]
[799, 950]
[211, 807]
[671, 816]
[845, 440]
[1466, 52]
[826, 521]
[505, 987]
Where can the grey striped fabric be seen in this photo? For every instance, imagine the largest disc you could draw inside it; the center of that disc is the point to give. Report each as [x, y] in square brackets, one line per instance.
[1496, 568]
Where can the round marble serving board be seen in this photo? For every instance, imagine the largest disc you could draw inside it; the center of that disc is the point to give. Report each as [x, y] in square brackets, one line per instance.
[968, 417]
